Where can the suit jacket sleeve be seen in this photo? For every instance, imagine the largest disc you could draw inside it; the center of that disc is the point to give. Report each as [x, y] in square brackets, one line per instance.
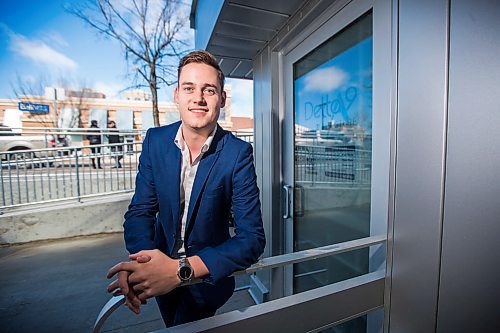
[141, 214]
[244, 249]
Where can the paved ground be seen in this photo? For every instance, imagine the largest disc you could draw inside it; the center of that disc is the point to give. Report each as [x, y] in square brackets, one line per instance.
[60, 286]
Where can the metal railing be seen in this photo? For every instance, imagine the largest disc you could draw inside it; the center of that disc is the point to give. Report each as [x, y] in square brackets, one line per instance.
[66, 130]
[62, 137]
[372, 281]
[67, 173]
[245, 136]
[337, 164]
[71, 172]
[50, 134]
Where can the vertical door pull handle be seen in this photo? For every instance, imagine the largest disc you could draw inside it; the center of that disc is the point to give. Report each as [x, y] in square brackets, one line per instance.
[288, 201]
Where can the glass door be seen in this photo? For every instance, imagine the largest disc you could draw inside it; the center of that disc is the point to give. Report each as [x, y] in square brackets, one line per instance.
[332, 154]
[336, 137]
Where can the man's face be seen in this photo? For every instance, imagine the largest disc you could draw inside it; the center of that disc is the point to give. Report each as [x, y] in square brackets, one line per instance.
[199, 97]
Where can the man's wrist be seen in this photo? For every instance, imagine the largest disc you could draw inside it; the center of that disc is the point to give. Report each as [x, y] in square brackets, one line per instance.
[200, 270]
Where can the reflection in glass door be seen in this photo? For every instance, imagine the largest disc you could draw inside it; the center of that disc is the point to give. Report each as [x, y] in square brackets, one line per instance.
[332, 100]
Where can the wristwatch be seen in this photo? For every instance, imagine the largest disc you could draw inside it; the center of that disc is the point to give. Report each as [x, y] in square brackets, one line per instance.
[185, 271]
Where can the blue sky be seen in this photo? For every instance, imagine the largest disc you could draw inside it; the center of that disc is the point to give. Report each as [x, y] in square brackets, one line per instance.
[39, 39]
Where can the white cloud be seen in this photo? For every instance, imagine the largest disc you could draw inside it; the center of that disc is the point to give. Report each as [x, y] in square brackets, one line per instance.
[325, 79]
[241, 97]
[41, 53]
[53, 37]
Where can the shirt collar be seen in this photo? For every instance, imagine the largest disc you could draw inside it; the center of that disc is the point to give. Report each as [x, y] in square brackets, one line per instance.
[180, 143]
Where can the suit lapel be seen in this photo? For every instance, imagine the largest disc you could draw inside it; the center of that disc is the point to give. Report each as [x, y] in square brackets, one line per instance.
[171, 162]
[175, 161]
[206, 164]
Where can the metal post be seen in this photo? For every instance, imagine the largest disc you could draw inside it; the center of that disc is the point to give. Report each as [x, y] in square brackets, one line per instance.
[4, 203]
[26, 187]
[78, 194]
[55, 109]
[9, 168]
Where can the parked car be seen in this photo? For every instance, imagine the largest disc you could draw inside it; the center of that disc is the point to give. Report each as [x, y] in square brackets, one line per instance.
[12, 144]
[10, 141]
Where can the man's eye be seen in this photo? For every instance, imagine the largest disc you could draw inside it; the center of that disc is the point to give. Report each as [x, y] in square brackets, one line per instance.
[188, 89]
[209, 91]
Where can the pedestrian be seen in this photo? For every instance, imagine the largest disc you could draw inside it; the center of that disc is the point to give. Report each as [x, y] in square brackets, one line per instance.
[115, 141]
[95, 139]
[191, 173]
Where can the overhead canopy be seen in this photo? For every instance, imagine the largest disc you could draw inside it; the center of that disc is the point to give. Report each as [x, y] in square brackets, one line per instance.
[235, 31]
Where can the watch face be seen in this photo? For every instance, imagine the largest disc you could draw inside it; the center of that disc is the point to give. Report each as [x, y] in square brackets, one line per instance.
[185, 272]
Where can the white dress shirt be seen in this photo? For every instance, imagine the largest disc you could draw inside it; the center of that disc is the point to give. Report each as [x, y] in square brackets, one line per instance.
[188, 174]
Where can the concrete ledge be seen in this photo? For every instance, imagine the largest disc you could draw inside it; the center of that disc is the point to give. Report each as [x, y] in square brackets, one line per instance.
[62, 220]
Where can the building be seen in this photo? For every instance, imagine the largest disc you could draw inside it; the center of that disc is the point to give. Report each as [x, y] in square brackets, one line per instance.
[137, 95]
[373, 118]
[242, 123]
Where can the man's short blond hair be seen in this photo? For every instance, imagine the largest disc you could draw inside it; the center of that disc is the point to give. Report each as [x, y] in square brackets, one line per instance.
[202, 57]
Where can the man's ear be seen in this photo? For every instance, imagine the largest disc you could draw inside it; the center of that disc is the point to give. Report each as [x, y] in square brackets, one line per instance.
[223, 99]
[176, 95]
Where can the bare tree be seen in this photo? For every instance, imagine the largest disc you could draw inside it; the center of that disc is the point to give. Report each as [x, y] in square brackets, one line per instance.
[73, 100]
[32, 91]
[150, 32]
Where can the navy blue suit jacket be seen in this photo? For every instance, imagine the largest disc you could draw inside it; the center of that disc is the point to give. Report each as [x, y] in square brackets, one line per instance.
[225, 177]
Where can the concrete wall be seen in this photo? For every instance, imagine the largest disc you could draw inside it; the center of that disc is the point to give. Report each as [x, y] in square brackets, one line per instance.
[68, 219]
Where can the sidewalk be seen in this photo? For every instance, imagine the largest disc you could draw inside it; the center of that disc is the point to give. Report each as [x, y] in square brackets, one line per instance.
[60, 286]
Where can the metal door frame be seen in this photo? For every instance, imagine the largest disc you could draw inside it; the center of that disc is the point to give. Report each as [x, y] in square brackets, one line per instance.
[338, 20]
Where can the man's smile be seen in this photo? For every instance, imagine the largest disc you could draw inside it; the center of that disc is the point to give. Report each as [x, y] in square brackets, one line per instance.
[198, 110]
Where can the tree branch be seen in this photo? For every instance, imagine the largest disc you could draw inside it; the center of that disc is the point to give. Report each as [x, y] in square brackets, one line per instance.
[149, 35]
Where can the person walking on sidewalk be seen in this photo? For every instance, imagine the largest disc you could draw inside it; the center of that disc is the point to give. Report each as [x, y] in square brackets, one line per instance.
[115, 140]
[95, 139]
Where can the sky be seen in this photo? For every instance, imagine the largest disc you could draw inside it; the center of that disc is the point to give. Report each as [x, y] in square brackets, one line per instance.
[41, 42]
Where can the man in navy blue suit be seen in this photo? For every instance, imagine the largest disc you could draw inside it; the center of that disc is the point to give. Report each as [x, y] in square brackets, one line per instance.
[192, 174]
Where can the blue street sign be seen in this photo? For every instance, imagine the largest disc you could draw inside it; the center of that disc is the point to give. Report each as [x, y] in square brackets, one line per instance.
[31, 107]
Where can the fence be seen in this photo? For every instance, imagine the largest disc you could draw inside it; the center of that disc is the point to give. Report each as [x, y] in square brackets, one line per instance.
[53, 174]
[337, 164]
[245, 136]
[66, 172]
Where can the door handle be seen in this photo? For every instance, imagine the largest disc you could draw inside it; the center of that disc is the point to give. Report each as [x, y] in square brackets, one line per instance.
[288, 201]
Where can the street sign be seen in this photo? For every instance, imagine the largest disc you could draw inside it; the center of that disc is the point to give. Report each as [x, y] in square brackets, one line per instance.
[32, 107]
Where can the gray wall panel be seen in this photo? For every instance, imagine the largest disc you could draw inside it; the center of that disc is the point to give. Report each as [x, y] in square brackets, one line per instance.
[262, 113]
[267, 159]
[419, 164]
[469, 299]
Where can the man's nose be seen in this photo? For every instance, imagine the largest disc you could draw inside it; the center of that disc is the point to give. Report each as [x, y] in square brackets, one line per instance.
[199, 96]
